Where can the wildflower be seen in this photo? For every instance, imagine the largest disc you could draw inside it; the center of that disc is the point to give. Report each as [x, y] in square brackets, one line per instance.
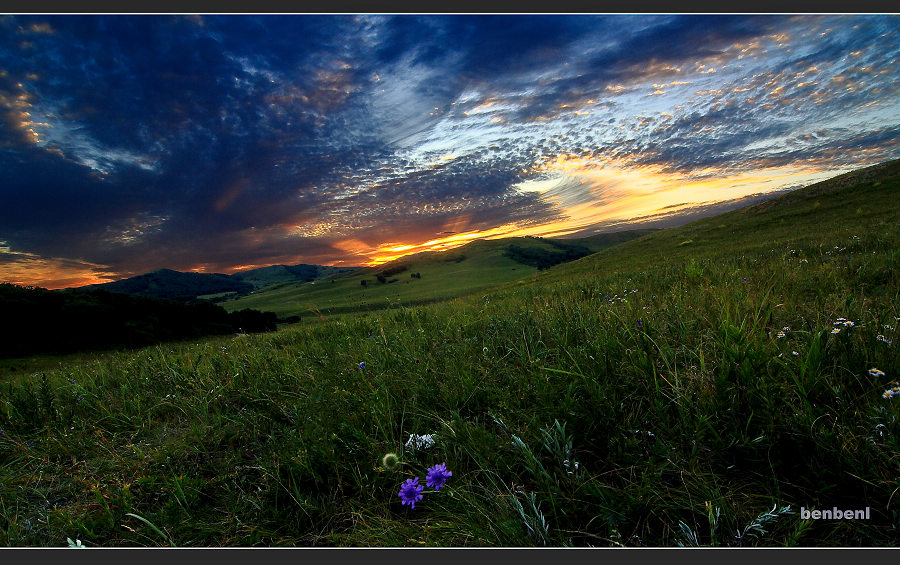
[640, 323]
[849, 324]
[437, 476]
[873, 372]
[390, 461]
[836, 331]
[362, 365]
[780, 335]
[889, 327]
[794, 353]
[416, 441]
[73, 381]
[75, 544]
[882, 338]
[411, 492]
[31, 443]
[840, 321]
[786, 329]
[745, 279]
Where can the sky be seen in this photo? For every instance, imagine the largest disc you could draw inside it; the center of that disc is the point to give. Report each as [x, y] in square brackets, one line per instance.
[218, 143]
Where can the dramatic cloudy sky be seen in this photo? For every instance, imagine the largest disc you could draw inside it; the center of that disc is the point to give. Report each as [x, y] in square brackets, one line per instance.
[216, 143]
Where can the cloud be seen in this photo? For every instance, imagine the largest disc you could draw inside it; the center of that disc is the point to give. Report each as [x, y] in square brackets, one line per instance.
[139, 142]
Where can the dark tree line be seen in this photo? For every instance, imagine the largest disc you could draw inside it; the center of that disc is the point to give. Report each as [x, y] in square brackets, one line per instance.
[545, 258]
[37, 321]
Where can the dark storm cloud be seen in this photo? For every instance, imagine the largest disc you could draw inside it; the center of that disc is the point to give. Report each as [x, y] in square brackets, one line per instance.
[218, 106]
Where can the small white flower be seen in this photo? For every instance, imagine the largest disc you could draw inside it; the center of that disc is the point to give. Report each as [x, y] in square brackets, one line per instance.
[794, 353]
[416, 441]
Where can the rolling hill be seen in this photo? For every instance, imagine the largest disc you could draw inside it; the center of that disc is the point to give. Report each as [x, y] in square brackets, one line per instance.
[844, 204]
[426, 277]
[177, 285]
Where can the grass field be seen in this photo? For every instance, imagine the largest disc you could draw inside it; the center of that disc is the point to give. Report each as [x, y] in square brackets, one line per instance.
[696, 386]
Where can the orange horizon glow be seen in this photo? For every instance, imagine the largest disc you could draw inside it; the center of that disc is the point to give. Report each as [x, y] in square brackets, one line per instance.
[619, 193]
[637, 193]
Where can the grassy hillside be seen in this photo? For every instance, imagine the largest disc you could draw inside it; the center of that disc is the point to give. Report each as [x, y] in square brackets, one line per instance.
[275, 274]
[658, 393]
[475, 267]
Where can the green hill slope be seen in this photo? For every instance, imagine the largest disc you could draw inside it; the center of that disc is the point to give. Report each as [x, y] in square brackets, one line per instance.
[835, 209]
[425, 277]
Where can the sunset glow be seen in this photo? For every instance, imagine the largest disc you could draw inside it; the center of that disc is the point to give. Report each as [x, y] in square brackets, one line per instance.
[219, 143]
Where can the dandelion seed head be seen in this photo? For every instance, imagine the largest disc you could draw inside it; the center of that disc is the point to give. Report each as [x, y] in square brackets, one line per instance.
[390, 461]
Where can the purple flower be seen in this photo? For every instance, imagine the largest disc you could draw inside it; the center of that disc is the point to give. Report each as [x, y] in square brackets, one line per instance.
[745, 279]
[410, 492]
[640, 323]
[437, 476]
[362, 365]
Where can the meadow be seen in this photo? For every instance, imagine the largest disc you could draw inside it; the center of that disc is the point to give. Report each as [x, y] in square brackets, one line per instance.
[693, 387]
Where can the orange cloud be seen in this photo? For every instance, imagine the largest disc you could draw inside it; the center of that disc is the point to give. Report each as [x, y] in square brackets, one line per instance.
[28, 269]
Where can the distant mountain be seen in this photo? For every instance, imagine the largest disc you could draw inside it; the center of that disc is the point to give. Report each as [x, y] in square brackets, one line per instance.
[175, 285]
[185, 287]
